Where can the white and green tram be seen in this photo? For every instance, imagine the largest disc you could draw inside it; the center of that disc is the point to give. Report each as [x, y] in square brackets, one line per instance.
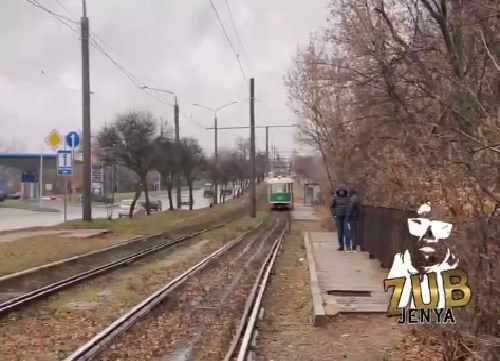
[280, 193]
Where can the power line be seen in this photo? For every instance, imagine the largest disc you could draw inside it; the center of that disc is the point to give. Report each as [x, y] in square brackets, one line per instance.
[35, 3]
[237, 32]
[62, 19]
[94, 43]
[228, 40]
[65, 8]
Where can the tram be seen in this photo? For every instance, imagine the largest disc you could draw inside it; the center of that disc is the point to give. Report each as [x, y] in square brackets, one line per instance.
[280, 193]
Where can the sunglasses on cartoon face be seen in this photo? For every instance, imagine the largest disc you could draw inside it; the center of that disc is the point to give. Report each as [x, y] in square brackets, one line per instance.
[429, 232]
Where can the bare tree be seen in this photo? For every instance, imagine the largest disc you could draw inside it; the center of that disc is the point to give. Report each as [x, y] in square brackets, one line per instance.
[191, 162]
[166, 163]
[402, 99]
[130, 139]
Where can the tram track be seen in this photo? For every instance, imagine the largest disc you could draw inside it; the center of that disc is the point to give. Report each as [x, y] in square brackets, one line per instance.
[54, 327]
[206, 300]
[22, 288]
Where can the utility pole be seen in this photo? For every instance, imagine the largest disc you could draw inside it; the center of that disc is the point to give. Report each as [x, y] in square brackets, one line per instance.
[87, 156]
[270, 158]
[267, 151]
[216, 156]
[177, 142]
[176, 136]
[216, 153]
[253, 195]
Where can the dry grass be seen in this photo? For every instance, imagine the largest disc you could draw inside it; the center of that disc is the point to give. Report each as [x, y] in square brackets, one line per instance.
[34, 251]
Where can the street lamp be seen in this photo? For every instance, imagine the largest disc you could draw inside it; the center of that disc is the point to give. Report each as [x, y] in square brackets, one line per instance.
[216, 152]
[177, 135]
[161, 90]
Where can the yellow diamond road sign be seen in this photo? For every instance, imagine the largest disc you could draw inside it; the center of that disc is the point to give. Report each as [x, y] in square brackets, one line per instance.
[54, 139]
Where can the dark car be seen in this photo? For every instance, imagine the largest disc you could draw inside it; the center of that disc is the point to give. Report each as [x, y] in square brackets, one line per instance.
[3, 196]
[154, 204]
[16, 195]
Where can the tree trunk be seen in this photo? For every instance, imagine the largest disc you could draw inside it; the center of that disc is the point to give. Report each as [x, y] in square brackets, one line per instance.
[137, 194]
[190, 186]
[146, 195]
[169, 185]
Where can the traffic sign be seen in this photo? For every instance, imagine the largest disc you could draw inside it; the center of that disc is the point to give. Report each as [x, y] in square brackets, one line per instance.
[73, 139]
[54, 139]
[28, 177]
[97, 189]
[64, 163]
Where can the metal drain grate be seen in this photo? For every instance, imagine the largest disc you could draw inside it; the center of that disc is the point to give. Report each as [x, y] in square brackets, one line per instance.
[341, 293]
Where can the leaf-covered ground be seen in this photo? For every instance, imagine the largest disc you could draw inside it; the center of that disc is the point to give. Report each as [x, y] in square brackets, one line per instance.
[286, 333]
[51, 329]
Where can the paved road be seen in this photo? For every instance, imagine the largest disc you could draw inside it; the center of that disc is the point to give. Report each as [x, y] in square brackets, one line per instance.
[17, 218]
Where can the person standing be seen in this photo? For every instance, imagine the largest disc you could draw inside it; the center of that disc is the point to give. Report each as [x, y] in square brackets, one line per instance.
[338, 209]
[352, 217]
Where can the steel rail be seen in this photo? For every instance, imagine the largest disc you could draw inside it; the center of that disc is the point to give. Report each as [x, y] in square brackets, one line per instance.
[12, 304]
[248, 321]
[103, 338]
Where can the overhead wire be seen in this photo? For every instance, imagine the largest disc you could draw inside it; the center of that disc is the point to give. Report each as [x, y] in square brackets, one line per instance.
[94, 43]
[62, 19]
[228, 40]
[237, 33]
[35, 3]
[65, 8]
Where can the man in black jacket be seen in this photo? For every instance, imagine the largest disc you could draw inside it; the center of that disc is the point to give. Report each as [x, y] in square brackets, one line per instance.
[352, 219]
[338, 209]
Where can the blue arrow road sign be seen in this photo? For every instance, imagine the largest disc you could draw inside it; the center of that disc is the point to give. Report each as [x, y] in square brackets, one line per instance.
[64, 163]
[73, 139]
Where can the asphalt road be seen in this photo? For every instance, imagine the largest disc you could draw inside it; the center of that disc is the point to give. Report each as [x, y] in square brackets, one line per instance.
[16, 218]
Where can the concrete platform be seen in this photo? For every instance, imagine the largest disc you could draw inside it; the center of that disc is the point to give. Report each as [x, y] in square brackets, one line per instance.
[304, 213]
[343, 282]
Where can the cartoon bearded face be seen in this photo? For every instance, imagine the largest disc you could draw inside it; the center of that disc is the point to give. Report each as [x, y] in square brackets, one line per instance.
[431, 251]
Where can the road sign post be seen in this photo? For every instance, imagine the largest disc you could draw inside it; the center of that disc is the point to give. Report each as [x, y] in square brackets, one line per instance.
[72, 141]
[64, 163]
[65, 169]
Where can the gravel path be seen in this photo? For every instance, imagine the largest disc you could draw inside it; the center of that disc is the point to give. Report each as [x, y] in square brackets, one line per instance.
[51, 329]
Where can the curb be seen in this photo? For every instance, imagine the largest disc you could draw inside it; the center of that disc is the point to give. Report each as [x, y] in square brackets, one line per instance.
[319, 317]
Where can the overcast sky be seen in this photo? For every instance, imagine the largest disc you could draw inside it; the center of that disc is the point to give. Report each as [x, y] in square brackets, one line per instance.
[177, 45]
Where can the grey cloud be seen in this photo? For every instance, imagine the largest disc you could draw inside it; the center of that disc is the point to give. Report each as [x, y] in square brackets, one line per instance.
[175, 45]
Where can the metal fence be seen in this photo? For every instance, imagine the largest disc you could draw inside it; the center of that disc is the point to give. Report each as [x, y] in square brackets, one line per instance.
[383, 232]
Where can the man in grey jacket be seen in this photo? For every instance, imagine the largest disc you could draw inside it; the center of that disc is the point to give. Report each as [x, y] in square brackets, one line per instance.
[338, 209]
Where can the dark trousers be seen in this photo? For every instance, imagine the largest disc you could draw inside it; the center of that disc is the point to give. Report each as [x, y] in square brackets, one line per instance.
[352, 233]
[341, 225]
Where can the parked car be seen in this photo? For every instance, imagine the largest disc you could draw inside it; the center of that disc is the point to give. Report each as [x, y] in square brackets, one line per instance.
[124, 209]
[208, 190]
[16, 195]
[3, 196]
[154, 204]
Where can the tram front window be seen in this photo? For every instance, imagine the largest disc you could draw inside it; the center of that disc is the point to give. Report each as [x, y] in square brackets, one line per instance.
[278, 188]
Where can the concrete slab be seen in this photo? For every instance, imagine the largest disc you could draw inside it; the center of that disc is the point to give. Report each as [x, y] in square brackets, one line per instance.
[319, 317]
[304, 213]
[348, 282]
[79, 233]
